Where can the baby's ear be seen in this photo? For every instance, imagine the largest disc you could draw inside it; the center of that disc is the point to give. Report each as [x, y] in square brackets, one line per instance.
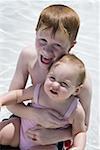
[77, 91]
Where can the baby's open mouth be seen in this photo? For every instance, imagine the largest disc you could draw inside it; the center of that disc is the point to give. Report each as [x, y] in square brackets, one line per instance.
[45, 60]
[54, 92]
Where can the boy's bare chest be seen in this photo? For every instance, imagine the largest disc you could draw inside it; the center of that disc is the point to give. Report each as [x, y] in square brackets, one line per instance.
[37, 75]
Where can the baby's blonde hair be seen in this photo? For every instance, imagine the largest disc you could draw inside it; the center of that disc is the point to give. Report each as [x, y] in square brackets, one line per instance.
[60, 17]
[77, 64]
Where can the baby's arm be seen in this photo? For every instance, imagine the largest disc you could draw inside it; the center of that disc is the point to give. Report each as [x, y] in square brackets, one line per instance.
[85, 97]
[79, 141]
[79, 129]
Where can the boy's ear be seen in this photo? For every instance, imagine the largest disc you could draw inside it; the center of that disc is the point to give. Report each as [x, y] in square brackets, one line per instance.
[72, 45]
[77, 91]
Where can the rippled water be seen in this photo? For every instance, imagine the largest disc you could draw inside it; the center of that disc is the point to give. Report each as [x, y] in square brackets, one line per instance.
[18, 19]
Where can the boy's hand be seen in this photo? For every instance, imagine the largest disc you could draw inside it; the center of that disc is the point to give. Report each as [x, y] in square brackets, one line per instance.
[43, 136]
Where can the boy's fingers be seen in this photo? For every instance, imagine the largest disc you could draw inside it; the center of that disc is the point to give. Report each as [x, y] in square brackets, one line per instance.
[30, 135]
[37, 127]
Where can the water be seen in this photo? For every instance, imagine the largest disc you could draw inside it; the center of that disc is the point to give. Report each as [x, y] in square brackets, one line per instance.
[18, 19]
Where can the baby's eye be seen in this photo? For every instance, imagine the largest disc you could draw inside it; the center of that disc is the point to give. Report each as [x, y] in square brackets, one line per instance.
[63, 84]
[52, 79]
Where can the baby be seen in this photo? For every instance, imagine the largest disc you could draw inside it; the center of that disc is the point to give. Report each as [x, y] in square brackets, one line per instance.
[58, 92]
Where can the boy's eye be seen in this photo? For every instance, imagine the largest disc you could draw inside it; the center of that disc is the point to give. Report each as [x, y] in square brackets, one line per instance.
[63, 84]
[52, 79]
[43, 41]
[57, 46]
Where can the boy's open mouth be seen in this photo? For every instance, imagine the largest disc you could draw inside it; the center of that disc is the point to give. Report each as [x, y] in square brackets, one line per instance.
[45, 60]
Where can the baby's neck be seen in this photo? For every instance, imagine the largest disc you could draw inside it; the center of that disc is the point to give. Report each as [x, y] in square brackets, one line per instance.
[49, 103]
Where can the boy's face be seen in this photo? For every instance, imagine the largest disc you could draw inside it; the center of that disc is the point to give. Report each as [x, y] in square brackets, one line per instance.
[49, 47]
[60, 83]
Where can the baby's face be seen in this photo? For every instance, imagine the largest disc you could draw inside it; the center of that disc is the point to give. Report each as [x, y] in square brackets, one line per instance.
[61, 82]
[49, 47]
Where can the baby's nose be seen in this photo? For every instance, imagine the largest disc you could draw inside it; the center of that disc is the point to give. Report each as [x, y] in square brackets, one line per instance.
[56, 85]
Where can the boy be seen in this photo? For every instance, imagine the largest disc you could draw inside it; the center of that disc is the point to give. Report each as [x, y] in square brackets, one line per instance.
[56, 34]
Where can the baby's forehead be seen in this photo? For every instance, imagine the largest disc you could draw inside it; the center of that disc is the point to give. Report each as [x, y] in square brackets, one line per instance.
[59, 64]
[58, 67]
[66, 69]
[55, 65]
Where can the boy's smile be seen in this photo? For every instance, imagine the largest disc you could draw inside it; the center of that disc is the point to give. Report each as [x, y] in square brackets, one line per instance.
[45, 60]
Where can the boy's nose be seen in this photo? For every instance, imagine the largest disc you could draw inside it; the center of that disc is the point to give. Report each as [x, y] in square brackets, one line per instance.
[48, 48]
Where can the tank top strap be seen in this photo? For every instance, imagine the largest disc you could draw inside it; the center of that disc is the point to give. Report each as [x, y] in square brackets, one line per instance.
[72, 107]
[36, 93]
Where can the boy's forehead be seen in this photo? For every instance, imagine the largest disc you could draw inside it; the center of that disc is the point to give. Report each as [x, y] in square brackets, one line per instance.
[59, 35]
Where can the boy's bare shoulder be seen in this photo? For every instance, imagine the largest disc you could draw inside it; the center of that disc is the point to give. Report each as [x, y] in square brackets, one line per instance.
[29, 52]
[28, 55]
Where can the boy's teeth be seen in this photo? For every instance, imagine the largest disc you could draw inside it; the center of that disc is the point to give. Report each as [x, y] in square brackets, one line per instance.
[45, 60]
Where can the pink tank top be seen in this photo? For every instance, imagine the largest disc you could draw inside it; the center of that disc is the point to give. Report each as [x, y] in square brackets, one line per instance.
[25, 142]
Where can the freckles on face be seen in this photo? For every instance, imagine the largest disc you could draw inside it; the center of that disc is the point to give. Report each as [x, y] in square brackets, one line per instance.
[59, 41]
[37, 44]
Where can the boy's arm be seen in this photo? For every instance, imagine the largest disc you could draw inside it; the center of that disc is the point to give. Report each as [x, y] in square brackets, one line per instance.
[85, 97]
[16, 96]
[46, 136]
[78, 131]
[20, 78]
[10, 97]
